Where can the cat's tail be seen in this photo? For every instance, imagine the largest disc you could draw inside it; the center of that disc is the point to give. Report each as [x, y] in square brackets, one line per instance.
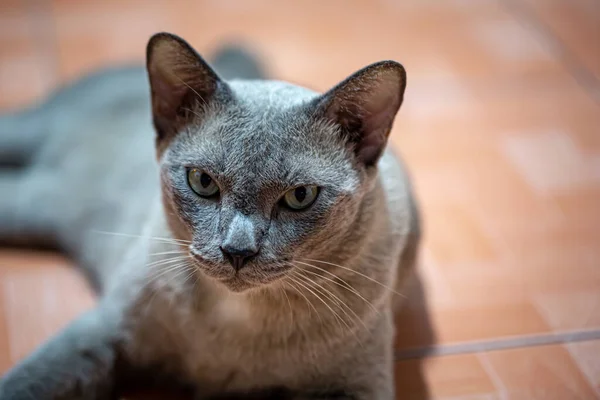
[24, 218]
[236, 62]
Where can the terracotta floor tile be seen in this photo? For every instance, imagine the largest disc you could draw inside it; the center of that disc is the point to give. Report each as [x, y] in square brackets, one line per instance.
[544, 372]
[18, 64]
[576, 24]
[447, 377]
[479, 284]
[44, 295]
[11, 5]
[570, 310]
[587, 354]
[91, 35]
[459, 238]
[435, 285]
[5, 361]
[24, 72]
[486, 321]
[570, 262]
[550, 161]
[579, 204]
[502, 141]
[510, 46]
[13, 72]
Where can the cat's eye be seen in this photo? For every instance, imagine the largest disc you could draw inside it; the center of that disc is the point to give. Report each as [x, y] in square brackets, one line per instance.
[202, 183]
[300, 198]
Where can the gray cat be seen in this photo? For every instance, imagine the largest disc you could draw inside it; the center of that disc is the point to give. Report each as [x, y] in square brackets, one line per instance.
[256, 244]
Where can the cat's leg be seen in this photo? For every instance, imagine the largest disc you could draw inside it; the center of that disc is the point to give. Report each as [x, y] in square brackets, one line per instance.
[21, 136]
[77, 364]
[28, 215]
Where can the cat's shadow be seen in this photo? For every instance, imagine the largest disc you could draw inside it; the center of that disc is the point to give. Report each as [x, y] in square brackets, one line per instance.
[415, 338]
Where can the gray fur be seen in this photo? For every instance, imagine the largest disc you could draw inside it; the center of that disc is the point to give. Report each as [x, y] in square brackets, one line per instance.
[98, 170]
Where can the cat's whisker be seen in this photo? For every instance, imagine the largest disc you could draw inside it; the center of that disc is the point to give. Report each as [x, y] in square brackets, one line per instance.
[192, 273]
[339, 302]
[338, 318]
[161, 239]
[167, 252]
[162, 272]
[165, 261]
[186, 267]
[311, 283]
[359, 274]
[174, 272]
[155, 281]
[155, 290]
[282, 289]
[310, 304]
[344, 284]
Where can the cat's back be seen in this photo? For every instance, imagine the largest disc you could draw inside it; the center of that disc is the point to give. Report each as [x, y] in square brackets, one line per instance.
[95, 115]
[98, 147]
[398, 191]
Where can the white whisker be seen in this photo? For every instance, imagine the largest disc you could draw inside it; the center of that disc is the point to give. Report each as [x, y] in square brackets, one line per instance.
[162, 262]
[161, 272]
[305, 298]
[167, 252]
[336, 300]
[181, 267]
[163, 239]
[282, 289]
[338, 318]
[345, 284]
[359, 274]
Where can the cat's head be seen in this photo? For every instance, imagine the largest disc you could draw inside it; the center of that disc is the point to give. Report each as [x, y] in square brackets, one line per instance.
[261, 175]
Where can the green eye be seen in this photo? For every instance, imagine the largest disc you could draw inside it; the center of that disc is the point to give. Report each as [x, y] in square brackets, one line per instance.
[202, 183]
[301, 197]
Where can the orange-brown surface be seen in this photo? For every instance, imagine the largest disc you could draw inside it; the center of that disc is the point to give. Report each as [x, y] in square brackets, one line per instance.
[500, 127]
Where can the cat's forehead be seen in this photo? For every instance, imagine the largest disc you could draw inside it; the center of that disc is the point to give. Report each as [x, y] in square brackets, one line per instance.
[266, 135]
[270, 95]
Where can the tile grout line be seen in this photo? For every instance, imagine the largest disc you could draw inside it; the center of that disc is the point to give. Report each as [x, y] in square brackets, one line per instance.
[498, 344]
[585, 374]
[493, 375]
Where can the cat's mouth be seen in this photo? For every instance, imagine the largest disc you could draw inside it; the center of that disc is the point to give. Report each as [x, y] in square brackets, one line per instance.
[251, 276]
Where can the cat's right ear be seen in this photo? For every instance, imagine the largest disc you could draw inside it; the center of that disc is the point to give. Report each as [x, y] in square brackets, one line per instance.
[181, 83]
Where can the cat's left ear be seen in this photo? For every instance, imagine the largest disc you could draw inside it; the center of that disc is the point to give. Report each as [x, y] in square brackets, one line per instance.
[364, 107]
[180, 82]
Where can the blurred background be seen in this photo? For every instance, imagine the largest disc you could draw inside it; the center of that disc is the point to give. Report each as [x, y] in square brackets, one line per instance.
[500, 128]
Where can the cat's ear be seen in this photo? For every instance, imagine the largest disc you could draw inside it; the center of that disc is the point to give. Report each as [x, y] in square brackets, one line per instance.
[364, 107]
[181, 83]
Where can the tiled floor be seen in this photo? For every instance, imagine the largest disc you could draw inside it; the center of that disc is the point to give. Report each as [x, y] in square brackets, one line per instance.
[501, 128]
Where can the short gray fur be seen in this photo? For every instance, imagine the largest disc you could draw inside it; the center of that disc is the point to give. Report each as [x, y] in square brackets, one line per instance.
[98, 183]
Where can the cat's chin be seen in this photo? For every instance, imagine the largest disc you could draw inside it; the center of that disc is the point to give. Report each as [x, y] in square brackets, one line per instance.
[238, 285]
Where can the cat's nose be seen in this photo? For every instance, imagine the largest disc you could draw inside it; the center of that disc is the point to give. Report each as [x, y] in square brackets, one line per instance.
[238, 257]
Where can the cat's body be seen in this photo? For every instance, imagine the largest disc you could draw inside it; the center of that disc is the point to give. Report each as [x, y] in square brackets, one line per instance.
[98, 176]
